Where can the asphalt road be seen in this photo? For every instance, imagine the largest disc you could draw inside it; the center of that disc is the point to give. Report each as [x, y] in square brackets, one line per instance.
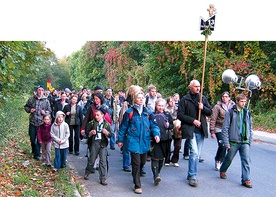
[174, 181]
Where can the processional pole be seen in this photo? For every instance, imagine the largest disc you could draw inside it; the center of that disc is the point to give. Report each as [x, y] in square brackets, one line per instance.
[207, 26]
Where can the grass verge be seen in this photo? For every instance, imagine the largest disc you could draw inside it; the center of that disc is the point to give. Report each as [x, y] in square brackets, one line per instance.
[20, 174]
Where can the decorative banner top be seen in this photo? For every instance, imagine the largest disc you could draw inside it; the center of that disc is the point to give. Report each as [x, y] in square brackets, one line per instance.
[210, 22]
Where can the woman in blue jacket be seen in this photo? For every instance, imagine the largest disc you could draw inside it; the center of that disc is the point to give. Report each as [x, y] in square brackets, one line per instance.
[138, 126]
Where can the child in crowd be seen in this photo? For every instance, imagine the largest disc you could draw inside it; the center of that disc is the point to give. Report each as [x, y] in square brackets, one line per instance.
[44, 138]
[98, 132]
[60, 133]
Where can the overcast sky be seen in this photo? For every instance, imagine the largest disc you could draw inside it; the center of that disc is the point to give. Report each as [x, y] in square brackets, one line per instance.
[66, 25]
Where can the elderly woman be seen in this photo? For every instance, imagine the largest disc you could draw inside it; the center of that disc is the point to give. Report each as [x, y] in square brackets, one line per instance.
[137, 127]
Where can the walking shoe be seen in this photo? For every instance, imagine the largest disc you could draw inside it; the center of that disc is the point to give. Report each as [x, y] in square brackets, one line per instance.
[103, 182]
[127, 169]
[86, 176]
[201, 160]
[176, 164]
[138, 191]
[55, 171]
[143, 173]
[247, 184]
[37, 158]
[217, 165]
[77, 153]
[223, 175]
[193, 182]
[186, 157]
[167, 164]
[157, 180]
[112, 148]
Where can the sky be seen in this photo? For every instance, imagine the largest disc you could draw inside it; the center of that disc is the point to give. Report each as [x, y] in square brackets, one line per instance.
[67, 25]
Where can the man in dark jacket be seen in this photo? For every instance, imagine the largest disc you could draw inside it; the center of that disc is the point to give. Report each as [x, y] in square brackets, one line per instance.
[193, 129]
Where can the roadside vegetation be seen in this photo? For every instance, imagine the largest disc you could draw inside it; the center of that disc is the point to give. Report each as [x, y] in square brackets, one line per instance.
[20, 174]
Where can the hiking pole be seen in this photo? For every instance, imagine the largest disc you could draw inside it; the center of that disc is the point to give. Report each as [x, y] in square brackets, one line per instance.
[207, 26]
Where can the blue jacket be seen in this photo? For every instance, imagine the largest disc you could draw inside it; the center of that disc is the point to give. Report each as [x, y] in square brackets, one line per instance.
[136, 131]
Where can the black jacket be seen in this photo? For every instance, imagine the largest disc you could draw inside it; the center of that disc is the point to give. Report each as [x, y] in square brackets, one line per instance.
[188, 112]
[79, 116]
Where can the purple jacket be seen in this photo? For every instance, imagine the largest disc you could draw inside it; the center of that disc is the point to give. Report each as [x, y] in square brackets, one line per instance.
[43, 133]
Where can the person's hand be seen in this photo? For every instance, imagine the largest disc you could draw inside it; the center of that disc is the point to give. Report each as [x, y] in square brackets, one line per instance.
[105, 131]
[92, 132]
[82, 132]
[167, 124]
[60, 142]
[197, 123]
[32, 110]
[213, 135]
[157, 139]
[228, 147]
[120, 144]
[42, 112]
[68, 113]
[200, 106]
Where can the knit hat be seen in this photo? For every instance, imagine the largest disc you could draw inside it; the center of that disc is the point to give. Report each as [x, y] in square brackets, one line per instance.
[98, 88]
[41, 86]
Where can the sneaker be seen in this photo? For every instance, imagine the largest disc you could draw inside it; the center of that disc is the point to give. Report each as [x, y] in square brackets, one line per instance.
[186, 157]
[247, 184]
[167, 164]
[193, 182]
[77, 153]
[217, 165]
[201, 160]
[138, 191]
[223, 175]
[176, 165]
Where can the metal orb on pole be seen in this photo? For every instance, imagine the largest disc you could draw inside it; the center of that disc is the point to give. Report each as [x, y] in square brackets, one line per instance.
[206, 26]
[251, 82]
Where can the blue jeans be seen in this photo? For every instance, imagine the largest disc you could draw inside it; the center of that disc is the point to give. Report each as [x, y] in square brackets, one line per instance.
[60, 158]
[245, 159]
[195, 147]
[112, 139]
[33, 138]
[126, 157]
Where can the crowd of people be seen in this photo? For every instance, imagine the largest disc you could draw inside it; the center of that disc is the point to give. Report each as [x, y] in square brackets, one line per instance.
[144, 126]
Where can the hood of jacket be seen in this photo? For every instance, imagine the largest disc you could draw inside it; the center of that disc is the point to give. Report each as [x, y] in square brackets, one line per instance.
[59, 113]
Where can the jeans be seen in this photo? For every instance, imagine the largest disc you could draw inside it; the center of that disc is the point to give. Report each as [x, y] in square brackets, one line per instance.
[33, 138]
[113, 137]
[126, 157]
[244, 155]
[60, 158]
[195, 147]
